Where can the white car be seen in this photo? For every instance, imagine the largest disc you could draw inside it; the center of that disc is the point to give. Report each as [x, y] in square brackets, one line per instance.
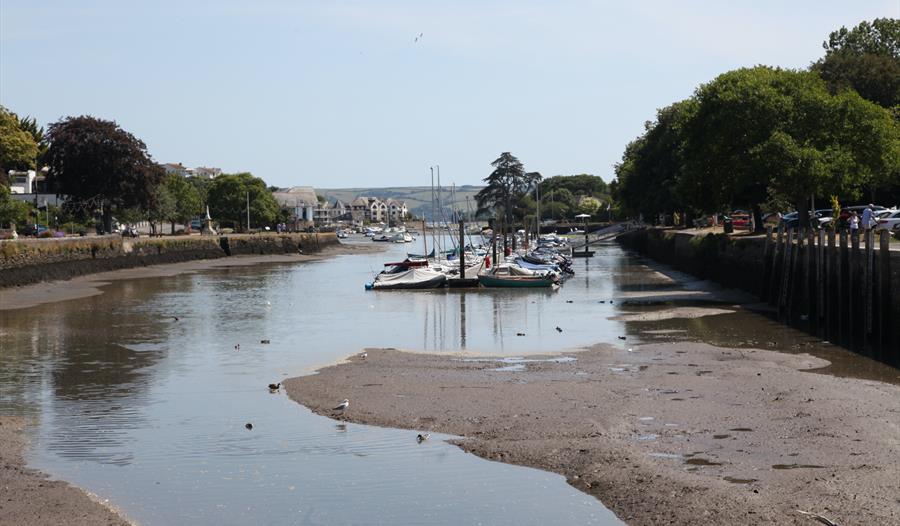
[889, 221]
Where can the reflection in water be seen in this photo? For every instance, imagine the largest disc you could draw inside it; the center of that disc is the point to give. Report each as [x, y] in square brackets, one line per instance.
[149, 411]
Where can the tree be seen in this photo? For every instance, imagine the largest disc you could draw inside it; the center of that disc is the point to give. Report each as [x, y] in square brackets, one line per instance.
[761, 129]
[187, 204]
[866, 59]
[12, 212]
[228, 194]
[505, 187]
[588, 205]
[580, 185]
[164, 207]
[652, 166]
[98, 165]
[18, 149]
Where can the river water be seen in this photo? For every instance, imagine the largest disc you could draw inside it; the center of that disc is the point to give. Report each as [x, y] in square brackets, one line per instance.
[149, 411]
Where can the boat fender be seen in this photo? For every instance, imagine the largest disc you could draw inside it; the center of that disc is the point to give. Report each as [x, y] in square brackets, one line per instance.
[368, 286]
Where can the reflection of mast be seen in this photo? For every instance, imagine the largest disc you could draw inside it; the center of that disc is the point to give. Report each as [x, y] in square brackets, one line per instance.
[462, 321]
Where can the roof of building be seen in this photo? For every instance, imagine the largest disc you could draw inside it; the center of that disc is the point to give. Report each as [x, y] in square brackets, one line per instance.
[296, 195]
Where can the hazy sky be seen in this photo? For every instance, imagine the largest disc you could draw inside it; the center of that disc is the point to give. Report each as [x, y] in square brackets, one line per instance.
[338, 94]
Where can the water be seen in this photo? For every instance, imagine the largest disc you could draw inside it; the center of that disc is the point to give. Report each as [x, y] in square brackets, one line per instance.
[150, 412]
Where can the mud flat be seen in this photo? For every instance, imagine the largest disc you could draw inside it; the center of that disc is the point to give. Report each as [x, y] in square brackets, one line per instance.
[29, 498]
[663, 433]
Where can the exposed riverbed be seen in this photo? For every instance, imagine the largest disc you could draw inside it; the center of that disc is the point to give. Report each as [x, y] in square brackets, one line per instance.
[139, 394]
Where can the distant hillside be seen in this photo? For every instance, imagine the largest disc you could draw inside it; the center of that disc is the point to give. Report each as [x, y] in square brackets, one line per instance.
[418, 198]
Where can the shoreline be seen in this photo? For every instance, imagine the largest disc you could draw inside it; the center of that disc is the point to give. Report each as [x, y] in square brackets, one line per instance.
[677, 432]
[31, 497]
[57, 502]
[26, 296]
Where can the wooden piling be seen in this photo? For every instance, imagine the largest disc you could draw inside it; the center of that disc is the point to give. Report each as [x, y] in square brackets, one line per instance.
[886, 324]
[832, 285]
[785, 274]
[868, 302]
[807, 234]
[841, 269]
[852, 292]
[767, 264]
[820, 284]
[775, 277]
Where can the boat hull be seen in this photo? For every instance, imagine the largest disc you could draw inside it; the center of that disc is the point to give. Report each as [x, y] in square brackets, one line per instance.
[514, 282]
[433, 283]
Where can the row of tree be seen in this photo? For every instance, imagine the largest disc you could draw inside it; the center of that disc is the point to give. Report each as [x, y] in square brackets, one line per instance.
[105, 171]
[766, 137]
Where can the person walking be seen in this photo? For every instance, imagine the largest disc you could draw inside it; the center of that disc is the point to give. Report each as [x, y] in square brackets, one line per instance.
[854, 224]
[868, 218]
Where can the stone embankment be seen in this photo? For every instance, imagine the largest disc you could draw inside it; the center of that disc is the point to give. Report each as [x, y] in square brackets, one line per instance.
[34, 260]
[840, 289]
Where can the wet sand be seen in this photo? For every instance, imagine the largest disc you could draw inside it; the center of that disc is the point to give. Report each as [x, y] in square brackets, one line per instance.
[91, 284]
[29, 498]
[669, 433]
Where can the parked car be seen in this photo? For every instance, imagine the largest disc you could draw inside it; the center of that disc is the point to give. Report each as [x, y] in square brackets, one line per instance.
[818, 218]
[741, 220]
[31, 230]
[890, 220]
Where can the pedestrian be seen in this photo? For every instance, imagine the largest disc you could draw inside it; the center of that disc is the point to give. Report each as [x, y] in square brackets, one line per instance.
[868, 217]
[854, 223]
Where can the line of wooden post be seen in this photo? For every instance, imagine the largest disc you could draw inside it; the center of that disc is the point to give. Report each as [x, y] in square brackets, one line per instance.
[839, 292]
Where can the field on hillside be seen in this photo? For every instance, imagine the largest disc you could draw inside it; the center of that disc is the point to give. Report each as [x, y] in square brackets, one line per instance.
[418, 198]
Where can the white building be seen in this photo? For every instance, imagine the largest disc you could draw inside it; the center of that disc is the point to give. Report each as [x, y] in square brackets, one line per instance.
[303, 201]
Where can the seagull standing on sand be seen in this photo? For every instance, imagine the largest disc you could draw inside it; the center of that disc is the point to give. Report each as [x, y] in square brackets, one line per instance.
[422, 437]
[345, 403]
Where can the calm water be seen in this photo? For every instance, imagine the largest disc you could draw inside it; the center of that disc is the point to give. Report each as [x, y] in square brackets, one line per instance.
[149, 411]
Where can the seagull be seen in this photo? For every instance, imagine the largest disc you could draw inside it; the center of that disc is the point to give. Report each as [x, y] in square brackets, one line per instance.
[363, 355]
[422, 437]
[274, 387]
[621, 337]
[345, 403]
[418, 37]
[558, 329]
[248, 425]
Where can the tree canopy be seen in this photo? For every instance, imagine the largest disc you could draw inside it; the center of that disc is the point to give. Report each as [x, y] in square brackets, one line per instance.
[228, 195]
[97, 164]
[754, 132]
[506, 185]
[18, 149]
[866, 59]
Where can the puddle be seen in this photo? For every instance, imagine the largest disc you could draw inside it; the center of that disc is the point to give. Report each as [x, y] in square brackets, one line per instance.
[699, 461]
[734, 480]
[669, 456]
[797, 466]
[516, 367]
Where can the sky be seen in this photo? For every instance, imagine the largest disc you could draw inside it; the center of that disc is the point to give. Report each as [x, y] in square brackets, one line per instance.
[337, 94]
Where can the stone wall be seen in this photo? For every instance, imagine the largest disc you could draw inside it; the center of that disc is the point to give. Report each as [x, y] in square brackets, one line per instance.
[27, 261]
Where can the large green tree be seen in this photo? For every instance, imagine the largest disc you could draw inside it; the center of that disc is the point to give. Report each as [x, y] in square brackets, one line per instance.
[761, 129]
[865, 58]
[12, 212]
[100, 166]
[505, 187]
[18, 149]
[652, 165]
[187, 204]
[228, 195]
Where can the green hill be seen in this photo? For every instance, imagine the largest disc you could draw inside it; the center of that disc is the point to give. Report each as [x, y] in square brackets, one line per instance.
[418, 198]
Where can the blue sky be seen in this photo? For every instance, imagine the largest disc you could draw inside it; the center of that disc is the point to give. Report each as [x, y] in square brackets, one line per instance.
[338, 94]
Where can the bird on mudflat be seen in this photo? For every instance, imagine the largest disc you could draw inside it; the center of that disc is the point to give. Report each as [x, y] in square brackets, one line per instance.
[422, 437]
[363, 355]
[275, 387]
[558, 329]
[345, 403]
